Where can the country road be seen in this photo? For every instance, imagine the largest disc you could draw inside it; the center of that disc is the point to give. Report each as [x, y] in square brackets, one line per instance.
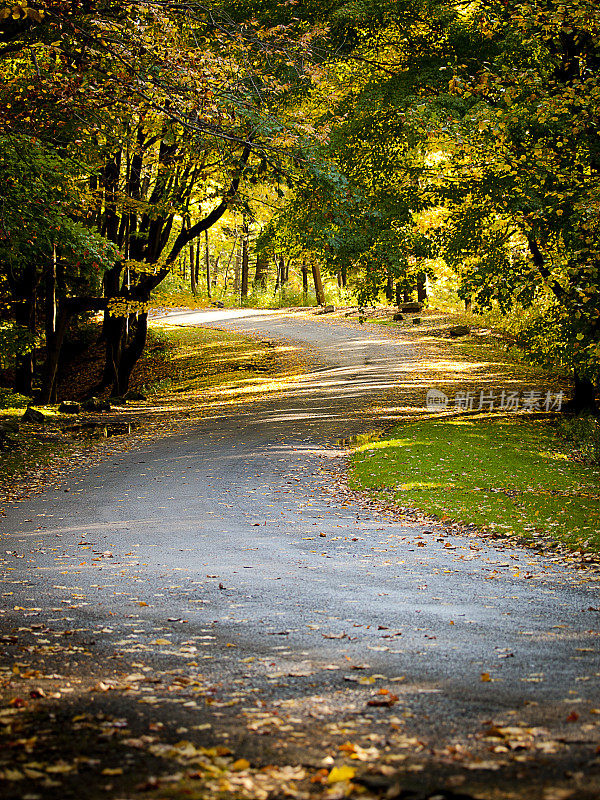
[230, 550]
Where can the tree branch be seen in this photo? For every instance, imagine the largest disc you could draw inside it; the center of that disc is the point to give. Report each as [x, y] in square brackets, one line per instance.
[538, 259]
[186, 236]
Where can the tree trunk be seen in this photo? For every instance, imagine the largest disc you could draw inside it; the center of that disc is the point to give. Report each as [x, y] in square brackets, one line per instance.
[282, 272]
[207, 262]
[344, 276]
[54, 343]
[421, 287]
[245, 264]
[215, 274]
[24, 363]
[278, 275]
[48, 386]
[193, 284]
[318, 284]
[114, 335]
[237, 269]
[197, 261]
[260, 275]
[131, 355]
[193, 265]
[389, 287]
[226, 274]
[584, 397]
[304, 270]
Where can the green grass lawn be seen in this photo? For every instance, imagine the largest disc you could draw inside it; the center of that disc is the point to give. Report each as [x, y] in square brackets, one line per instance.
[510, 474]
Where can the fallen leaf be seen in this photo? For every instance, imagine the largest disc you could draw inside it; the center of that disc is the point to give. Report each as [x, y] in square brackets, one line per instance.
[339, 774]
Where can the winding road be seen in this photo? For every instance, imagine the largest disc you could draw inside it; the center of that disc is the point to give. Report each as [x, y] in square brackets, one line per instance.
[233, 544]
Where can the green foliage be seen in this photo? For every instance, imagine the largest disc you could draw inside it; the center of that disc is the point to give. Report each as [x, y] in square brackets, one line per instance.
[39, 206]
[15, 340]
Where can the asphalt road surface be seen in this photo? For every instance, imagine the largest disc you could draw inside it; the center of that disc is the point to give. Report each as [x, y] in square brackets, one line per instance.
[231, 546]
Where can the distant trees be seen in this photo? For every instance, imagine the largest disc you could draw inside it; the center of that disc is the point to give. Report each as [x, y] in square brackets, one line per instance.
[390, 132]
[472, 133]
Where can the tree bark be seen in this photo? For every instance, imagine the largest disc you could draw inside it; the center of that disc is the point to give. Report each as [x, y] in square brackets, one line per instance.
[260, 275]
[421, 287]
[282, 271]
[193, 271]
[389, 287]
[25, 316]
[245, 265]
[316, 271]
[237, 269]
[54, 343]
[207, 262]
[226, 275]
[131, 355]
[584, 396]
[304, 270]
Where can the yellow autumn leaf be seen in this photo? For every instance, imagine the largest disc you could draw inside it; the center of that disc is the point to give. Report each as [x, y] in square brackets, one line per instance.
[339, 774]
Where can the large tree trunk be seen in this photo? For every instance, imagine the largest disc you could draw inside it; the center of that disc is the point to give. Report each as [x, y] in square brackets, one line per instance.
[114, 335]
[398, 292]
[52, 345]
[281, 273]
[131, 355]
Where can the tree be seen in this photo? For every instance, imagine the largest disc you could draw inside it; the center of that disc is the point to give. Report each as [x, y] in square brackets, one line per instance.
[178, 104]
[525, 170]
[51, 261]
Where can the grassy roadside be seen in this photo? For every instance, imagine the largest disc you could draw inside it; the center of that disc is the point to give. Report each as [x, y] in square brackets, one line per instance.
[513, 473]
[503, 473]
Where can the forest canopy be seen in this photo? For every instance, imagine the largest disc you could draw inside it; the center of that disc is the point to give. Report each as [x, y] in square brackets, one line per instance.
[390, 145]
